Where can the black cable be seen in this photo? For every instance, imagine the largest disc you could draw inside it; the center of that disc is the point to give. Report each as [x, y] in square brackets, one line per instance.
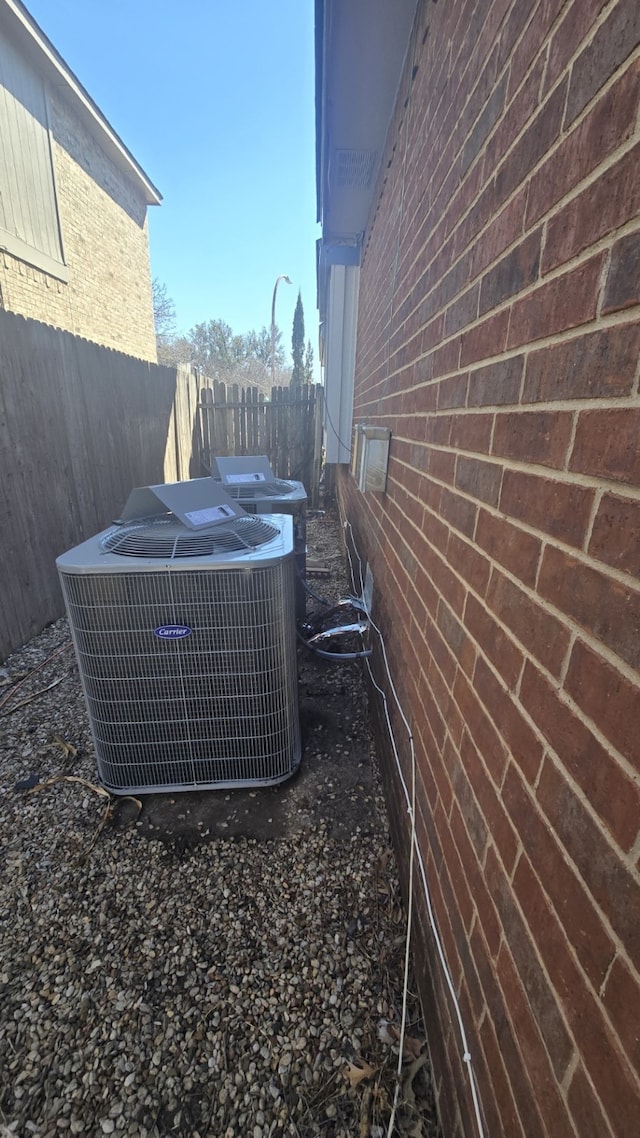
[336, 657]
[307, 587]
[341, 441]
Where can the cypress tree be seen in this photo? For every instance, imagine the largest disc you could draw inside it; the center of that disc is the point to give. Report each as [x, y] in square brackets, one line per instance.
[297, 345]
[308, 363]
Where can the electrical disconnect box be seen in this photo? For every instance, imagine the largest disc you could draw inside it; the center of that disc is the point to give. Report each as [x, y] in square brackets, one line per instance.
[370, 458]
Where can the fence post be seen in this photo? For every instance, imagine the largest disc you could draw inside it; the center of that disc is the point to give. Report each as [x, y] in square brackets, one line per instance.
[262, 424]
[254, 419]
[318, 406]
[220, 417]
[205, 411]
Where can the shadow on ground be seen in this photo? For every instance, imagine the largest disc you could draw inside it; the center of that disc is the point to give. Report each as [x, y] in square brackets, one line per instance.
[335, 783]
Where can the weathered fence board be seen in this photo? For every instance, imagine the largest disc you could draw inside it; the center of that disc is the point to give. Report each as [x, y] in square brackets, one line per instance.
[287, 428]
[80, 425]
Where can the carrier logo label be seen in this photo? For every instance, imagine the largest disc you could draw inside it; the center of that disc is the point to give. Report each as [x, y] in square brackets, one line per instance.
[172, 631]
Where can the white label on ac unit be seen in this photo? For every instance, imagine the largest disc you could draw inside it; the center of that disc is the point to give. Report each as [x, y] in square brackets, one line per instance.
[237, 479]
[209, 515]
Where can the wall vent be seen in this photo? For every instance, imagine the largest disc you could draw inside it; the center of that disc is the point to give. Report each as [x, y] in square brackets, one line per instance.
[354, 167]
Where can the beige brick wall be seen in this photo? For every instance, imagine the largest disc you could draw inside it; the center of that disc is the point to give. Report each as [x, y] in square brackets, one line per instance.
[104, 232]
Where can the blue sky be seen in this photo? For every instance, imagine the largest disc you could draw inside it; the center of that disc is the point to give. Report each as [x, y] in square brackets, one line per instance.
[215, 100]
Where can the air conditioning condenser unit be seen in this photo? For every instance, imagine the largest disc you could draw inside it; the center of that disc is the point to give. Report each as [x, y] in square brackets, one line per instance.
[185, 637]
[249, 480]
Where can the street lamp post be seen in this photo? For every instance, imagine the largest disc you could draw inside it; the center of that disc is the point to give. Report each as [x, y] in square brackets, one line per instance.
[273, 327]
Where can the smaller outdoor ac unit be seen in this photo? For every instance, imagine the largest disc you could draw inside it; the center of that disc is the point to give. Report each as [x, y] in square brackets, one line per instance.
[249, 480]
[182, 617]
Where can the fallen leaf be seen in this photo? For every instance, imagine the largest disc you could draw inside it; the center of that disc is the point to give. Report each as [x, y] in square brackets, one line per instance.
[384, 859]
[416, 1130]
[407, 1086]
[356, 1072]
[73, 778]
[109, 808]
[68, 748]
[365, 1113]
[388, 1033]
[411, 1047]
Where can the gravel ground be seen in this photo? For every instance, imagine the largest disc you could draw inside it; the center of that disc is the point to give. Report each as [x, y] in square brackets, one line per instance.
[219, 965]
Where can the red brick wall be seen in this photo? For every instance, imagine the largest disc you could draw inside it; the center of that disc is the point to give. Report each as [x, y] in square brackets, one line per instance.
[498, 338]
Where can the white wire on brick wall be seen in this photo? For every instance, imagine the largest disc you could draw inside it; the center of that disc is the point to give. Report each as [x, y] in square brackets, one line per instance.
[414, 853]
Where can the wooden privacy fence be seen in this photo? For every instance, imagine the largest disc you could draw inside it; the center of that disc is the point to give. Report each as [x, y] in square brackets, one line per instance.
[80, 425]
[287, 427]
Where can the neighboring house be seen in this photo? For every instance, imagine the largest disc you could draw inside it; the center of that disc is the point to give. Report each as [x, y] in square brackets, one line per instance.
[479, 293]
[74, 247]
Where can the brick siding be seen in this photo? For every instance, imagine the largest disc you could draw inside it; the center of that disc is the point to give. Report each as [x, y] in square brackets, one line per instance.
[104, 232]
[498, 338]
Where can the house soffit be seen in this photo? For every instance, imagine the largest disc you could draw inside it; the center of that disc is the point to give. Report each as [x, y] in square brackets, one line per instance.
[360, 51]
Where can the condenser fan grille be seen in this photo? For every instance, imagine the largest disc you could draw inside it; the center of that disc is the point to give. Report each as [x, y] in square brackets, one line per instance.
[216, 706]
[167, 539]
[248, 490]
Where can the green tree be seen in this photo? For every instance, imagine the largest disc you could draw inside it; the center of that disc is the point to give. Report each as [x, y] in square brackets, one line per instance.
[259, 347]
[308, 364]
[297, 345]
[214, 348]
[242, 359]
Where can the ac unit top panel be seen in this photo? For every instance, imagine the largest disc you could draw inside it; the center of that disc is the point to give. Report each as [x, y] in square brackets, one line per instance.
[239, 470]
[163, 543]
[198, 503]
